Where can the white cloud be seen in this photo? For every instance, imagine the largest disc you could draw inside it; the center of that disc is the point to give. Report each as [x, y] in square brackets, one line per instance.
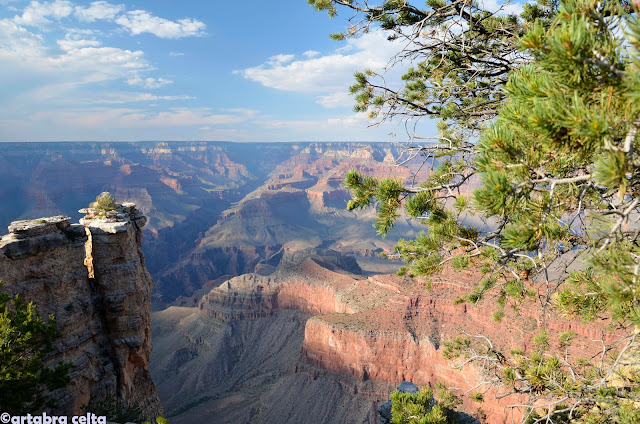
[36, 13]
[352, 127]
[136, 118]
[64, 81]
[98, 10]
[149, 82]
[176, 54]
[280, 59]
[67, 44]
[140, 21]
[76, 40]
[249, 113]
[124, 97]
[101, 63]
[345, 49]
[136, 21]
[356, 119]
[337, 99]
[310, 54]
[325, 74]
[17, 43]
[73, 94]
[81, 60]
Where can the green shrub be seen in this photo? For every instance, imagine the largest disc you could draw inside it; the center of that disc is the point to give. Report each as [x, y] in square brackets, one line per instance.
[24, 342]
[105, 202]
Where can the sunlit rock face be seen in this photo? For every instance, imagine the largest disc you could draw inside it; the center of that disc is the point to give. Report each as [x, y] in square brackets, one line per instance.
[239, 358]
[92, 278]
[304, 325]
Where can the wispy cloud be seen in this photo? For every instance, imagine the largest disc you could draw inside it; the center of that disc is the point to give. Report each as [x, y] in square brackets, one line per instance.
[137, 118]
[337, 99]
[280, 59]
[77, 40]
[36, 13]
[81, 58]
[140, 21]
[310, 54]
[328, 75]
[128, 97]
[63, 72]
[98, 10]
[149, 82]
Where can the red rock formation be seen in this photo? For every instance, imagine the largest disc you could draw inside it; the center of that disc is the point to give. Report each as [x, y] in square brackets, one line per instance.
[387, 328]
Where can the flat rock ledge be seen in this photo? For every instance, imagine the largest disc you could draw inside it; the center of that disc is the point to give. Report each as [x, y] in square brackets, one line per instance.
[34, 236]
[36, 227]
[112, 221]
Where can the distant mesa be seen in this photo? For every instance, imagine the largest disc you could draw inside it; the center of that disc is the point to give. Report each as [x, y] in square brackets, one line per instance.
[213, 209]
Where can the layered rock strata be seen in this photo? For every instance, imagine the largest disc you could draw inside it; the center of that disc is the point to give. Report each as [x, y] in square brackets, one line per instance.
[92, 278]
[387, 328]
[239, 356]
[301, 205]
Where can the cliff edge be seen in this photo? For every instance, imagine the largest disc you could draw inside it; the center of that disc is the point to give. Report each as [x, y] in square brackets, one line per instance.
[92, 277]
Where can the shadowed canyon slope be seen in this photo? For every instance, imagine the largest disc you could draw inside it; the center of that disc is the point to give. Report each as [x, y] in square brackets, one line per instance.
[214, 209]
[301, 205]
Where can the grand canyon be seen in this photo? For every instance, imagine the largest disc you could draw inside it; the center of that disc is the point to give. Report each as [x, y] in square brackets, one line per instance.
[270, 302]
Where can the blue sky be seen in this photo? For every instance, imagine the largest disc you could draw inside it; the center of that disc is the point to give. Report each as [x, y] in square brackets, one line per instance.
[179, 70]
[254, 70]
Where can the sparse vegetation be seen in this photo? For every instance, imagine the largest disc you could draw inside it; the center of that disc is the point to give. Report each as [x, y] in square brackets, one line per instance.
[428, 406]
[104, 203]
[25, 340]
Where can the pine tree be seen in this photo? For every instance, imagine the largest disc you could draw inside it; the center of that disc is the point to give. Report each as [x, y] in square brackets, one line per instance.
[557, 155]
[428, 406]
[25, 340]
[461, 56]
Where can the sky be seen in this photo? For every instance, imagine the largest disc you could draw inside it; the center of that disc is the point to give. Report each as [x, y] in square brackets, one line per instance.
[251, 70]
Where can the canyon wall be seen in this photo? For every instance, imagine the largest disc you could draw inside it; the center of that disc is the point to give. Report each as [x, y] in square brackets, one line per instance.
[92, 278]
[239, 353]
[365, 334]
